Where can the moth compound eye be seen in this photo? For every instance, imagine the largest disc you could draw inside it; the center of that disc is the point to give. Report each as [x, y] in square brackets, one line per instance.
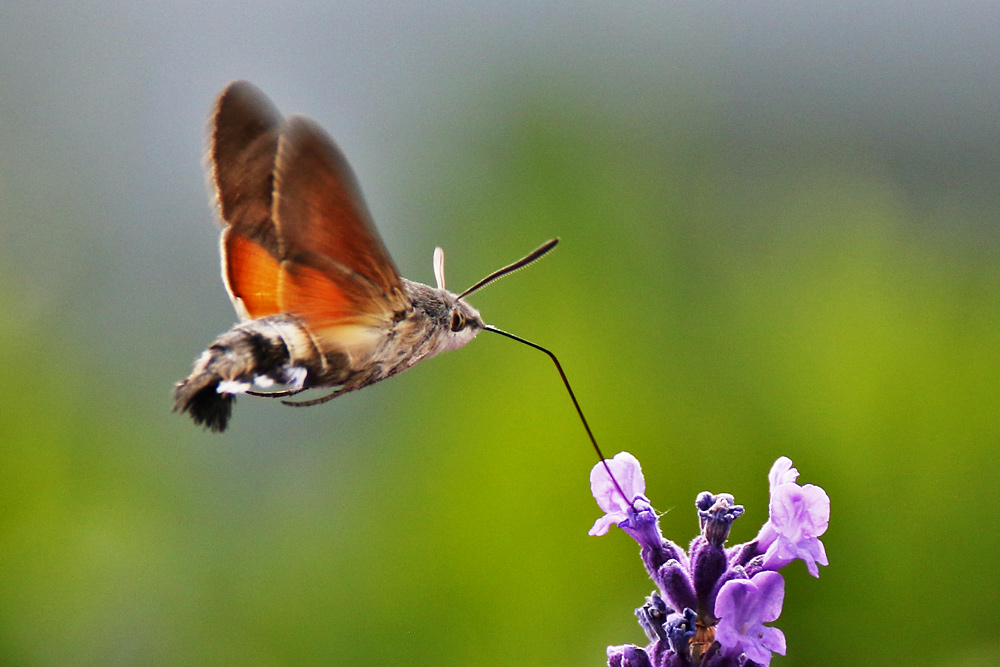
[458, 321]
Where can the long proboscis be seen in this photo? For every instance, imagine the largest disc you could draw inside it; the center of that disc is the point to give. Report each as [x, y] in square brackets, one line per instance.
[511, 268]
[576, 403]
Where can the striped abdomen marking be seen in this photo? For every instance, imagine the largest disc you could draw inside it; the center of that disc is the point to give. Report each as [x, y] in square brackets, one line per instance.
[263, 352]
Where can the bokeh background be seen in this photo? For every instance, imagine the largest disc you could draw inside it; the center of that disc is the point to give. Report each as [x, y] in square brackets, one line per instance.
[779, 225]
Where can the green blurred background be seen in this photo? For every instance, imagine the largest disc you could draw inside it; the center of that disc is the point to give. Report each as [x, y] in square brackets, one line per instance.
[780, 237]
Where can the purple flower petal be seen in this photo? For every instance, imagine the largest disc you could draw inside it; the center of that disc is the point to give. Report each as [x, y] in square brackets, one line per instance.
[602, 525]
[782, 472]
[771, 639]
[628, 472]
[799, 515]
[627, 656]
[743, 606]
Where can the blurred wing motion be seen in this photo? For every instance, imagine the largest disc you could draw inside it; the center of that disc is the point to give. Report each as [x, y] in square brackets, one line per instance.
[301, 259]
[299, 238]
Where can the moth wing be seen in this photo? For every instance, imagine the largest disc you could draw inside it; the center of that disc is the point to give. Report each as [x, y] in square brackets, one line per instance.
[298, 237]
[245, 130]
[335, 271]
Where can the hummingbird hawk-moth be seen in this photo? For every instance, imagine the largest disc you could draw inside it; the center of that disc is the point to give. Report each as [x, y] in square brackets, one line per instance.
[320, 302]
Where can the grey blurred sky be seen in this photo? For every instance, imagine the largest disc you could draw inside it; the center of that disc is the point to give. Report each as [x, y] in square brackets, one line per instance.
[103, 108]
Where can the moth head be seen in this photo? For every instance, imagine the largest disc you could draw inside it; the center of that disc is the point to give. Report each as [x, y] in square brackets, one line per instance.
[464, 321]
[457, 320]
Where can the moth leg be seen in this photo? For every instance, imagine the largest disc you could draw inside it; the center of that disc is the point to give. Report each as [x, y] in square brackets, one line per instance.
[316, 401]
[274, 394]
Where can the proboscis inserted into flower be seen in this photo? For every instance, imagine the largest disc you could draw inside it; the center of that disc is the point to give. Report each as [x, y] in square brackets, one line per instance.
[628, 472]
[711, 602]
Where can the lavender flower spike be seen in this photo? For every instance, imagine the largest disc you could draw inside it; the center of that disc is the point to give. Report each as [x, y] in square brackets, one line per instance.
[628, 472]
[743, 606]
[711, 603]
[798, 516]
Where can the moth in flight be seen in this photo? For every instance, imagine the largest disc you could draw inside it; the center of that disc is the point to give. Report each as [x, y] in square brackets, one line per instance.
[320, 302]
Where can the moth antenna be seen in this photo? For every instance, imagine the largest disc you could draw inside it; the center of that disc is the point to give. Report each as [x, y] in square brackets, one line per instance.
[439, 266]
[507, 270]
[590, 434]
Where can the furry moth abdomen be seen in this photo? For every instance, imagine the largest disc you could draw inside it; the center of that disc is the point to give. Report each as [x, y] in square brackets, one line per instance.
[279, 349]
[263, 352]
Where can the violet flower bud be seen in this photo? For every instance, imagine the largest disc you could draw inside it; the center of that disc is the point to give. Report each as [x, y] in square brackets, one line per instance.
[652, 616]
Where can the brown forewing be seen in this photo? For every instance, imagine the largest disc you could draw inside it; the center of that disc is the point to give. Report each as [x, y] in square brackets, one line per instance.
[244, 147]
[245, 133]
[299, 236]
[332, 252]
